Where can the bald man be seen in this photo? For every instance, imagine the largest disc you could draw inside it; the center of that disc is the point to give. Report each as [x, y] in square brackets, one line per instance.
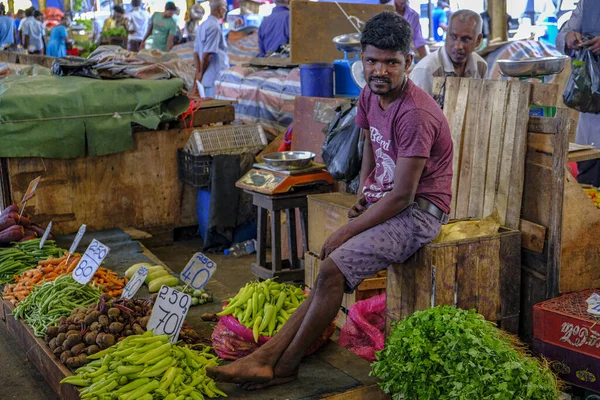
[457, 57]
[210, 48]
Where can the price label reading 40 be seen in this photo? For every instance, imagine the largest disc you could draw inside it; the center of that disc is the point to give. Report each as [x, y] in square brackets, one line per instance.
[169, 312]
[90, 262]
[135, 283]
[198, 271]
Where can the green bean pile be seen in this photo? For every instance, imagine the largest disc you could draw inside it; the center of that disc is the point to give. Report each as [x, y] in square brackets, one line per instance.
[52, 300]
[24, 256]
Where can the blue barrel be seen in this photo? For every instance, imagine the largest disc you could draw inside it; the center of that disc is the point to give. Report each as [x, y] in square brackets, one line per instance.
[316, 80]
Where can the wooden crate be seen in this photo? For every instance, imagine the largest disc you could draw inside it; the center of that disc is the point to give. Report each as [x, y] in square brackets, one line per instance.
[326, 213]
[368, 288]
[8, 57]
[36, 59]
[481, 273]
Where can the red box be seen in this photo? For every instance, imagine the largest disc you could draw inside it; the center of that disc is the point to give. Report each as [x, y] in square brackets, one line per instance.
[565, 322]
[571, 366]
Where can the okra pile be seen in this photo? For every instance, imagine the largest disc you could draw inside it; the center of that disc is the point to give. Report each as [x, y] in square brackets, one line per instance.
[265, 306]
[146, 367]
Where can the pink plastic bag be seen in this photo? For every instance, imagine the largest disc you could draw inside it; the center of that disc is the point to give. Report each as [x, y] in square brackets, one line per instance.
[362, 333]
[232, 340]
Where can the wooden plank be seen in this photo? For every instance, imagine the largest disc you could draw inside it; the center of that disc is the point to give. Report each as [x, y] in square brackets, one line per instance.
[273, 62]
[213, 114]
[488, 274]
[372, 284]
[467, 156]
[532, 236]
[484, 115]
[326, 214]
[423, 278]
[584, 155]
[445, 264]
[313, 25]
[457, 121]
[541, 142]
[542, 125]
[372, 392]
[467, 278]
[510, 282]
[500, 96]
[506, 157]
[544, 94]
[533, 291]
[515, 193]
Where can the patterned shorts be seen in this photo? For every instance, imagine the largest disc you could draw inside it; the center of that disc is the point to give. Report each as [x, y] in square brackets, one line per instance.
[393, 241]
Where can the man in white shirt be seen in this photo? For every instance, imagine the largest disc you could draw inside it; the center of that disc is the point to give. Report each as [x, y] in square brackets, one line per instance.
[32, 31]
[457, 57]
[138, 24]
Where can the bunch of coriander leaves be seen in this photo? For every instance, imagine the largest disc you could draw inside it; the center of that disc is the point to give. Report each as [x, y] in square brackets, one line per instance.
[448, 353]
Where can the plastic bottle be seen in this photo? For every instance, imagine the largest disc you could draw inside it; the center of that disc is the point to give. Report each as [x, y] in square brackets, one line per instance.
[241, 249]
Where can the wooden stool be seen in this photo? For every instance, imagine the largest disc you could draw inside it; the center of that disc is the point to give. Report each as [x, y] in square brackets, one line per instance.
[286, 270]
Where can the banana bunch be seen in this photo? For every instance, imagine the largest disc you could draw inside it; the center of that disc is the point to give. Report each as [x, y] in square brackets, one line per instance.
[265, 306]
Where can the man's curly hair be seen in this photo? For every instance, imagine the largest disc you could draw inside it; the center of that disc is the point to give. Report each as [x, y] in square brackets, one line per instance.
[387, 31]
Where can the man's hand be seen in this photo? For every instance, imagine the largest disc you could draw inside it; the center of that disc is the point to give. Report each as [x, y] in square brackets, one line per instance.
[574, 40]
[593, 44]
[143, 45]
[334, 241]
[359, 207]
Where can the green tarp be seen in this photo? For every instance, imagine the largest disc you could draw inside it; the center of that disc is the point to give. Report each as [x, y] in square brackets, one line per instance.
[59, 117]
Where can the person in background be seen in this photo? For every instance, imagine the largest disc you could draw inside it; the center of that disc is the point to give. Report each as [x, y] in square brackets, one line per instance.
[457, 57]
[406, 179]
[57, 45]
[440, 21]
[162, 28]
[137, 23]
[274, 29]
[116, 20]
[32, 31]
[18, 18]
[8, 33]
[210, 48]
[583, 30]
[2, 9]
[419, 42]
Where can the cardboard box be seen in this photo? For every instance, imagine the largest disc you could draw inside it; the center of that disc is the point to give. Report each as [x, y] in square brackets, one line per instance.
[326, 213]
[368, 288]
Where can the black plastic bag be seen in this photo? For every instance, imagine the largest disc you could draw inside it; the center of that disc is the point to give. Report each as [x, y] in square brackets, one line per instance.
[75, 66]
[582, 91]
[342, 149]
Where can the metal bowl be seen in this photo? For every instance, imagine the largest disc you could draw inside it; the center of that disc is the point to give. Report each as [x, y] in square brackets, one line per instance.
[289, 160]
[533, 67]
[348, 42]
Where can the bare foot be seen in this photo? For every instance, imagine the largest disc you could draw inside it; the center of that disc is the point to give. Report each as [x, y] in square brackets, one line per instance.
[245, 370]
[273, 382]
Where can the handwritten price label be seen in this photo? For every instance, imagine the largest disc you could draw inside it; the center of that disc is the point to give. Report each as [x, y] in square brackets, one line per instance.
[78, 237]
[31, 190]
[135, 283]
[46, 233]
[198, 271]
[90, 262]
[169, 312]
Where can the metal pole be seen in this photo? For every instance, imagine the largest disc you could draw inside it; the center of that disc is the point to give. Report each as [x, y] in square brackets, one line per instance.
[498, 22]
[430, 16]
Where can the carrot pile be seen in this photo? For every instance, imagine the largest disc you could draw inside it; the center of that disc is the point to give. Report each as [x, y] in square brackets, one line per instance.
[50, 269]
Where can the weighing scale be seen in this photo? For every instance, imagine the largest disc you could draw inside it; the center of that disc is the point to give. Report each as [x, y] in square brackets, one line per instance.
[349, 78]
[267, 180]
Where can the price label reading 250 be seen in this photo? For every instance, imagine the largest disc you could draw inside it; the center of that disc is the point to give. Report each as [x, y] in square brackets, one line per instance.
[90, 262]
[198, 271]
[169, 312]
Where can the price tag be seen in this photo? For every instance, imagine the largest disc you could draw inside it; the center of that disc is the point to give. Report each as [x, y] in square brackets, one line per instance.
[198, 271]
[78, 237]
[46, 233]
[135, 283]
[169, 312]
[90, 262]
[31, 189]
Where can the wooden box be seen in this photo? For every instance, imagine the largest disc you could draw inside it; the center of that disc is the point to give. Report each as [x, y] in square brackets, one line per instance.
[326, 213]
[565, 322]
[368, 288]
[481, 273]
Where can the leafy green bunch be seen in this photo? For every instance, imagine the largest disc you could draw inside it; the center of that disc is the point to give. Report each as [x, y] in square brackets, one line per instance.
[448, 353]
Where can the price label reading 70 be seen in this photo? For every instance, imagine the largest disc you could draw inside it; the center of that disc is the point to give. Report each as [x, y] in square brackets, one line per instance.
[198, 271]
[169, 312]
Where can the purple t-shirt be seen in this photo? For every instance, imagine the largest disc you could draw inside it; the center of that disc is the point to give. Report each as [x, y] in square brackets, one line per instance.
[412, 17]
[413, 126]
[274, 31]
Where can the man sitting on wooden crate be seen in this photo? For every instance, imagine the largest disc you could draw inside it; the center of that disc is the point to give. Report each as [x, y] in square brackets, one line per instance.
[406, 178]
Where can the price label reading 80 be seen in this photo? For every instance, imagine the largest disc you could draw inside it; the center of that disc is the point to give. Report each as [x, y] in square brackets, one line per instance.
[169, 312]
[135, 283]
[198, 271]
[90, 262]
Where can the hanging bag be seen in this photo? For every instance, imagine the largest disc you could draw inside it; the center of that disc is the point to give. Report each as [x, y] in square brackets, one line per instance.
[582, 91]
